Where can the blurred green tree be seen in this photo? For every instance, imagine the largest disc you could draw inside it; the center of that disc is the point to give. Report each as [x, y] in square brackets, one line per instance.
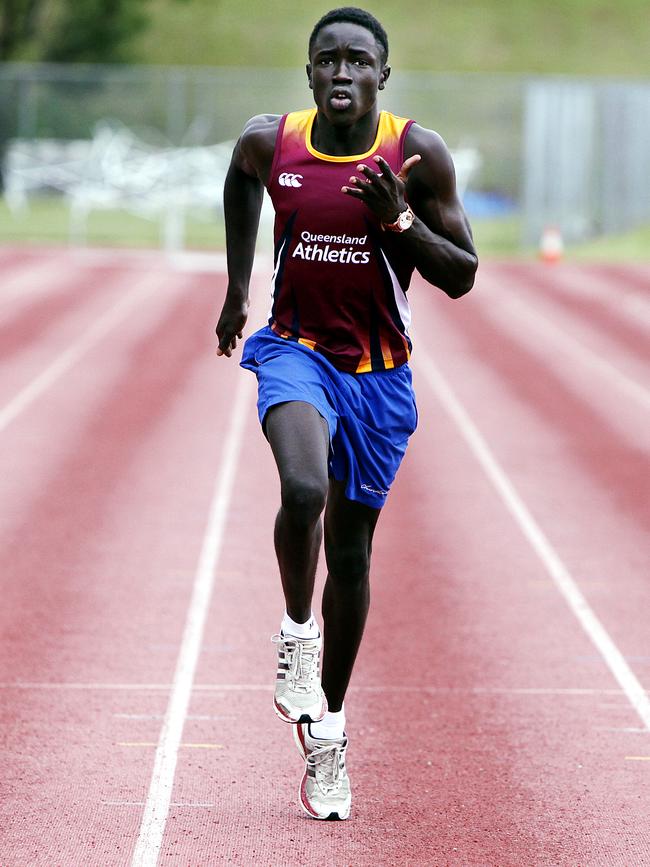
[17, 20]
[63, 31]
[67, 31]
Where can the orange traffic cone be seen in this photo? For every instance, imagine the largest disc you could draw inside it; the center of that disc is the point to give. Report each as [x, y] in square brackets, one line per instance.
[551, 245]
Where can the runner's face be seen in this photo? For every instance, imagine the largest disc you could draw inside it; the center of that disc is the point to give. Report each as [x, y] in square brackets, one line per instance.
[346, 71]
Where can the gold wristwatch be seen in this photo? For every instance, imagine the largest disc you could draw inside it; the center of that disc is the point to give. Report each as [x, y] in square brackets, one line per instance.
[403, 222]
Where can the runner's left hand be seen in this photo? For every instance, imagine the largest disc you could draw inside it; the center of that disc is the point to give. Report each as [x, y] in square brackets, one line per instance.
[383, 192]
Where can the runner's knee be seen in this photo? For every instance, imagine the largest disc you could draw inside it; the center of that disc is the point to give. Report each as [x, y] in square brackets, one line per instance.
[348, 563]
[304, 499]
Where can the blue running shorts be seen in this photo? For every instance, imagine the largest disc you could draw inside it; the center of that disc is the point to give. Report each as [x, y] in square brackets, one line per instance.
[370, 415]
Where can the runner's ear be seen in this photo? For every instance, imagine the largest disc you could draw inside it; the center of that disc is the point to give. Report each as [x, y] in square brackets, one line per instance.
[383, 77]
[308, 69]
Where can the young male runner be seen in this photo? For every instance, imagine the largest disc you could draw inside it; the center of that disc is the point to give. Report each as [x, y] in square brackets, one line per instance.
[362, 197]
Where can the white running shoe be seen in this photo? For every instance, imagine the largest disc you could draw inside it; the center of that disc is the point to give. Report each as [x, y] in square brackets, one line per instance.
[299, 696]
[325, 788]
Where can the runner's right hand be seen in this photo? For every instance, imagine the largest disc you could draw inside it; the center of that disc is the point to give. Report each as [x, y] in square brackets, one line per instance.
[231, 326]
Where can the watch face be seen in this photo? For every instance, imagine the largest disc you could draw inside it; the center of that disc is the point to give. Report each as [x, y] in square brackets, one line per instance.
[405, 219]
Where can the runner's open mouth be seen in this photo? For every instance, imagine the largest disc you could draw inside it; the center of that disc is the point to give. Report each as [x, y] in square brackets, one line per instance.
[340, 98]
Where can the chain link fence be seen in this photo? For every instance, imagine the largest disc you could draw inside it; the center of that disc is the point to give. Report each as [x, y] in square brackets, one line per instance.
[572, 153]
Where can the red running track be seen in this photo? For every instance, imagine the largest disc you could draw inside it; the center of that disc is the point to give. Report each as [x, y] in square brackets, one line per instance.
[499, 711]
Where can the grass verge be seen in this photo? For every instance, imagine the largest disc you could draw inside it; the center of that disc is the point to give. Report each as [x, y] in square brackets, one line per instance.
[46, 221]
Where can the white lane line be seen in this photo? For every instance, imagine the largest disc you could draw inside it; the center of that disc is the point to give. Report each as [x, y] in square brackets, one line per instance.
[564, 582]
[626, 729]
[265, 687]
[27, 275]
[586, 356]
[573, 347]
[141, 804]
[159, 716]
[29, 280]
[183, 746]
[189, 261]
[137, 687]
[154, 819]
[616, 705]
[70, 356]
[624, 301]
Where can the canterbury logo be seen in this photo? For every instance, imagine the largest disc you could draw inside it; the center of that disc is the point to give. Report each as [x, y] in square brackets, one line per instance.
[287, 179]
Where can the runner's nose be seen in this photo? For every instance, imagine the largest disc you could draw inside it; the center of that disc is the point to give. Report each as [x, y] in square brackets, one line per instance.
[342, 73]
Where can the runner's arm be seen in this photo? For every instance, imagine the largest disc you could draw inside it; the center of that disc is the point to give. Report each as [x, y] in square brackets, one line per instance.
[242, 200]
[243, 194]
[442, 245]
[439, 241]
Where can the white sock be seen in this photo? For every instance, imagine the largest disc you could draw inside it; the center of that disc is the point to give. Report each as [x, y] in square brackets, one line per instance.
[331, 726]
[300, 630]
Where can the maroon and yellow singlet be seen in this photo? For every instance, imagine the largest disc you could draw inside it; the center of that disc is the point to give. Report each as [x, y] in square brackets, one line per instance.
[339, 283]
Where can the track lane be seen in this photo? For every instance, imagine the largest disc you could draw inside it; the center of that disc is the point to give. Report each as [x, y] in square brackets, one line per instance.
[605, 335]
[480, 766]
[601, 518]
[33, 316]
[595, 378]
[505, 757]
[36, 343]
[577, 298]
[99, 596]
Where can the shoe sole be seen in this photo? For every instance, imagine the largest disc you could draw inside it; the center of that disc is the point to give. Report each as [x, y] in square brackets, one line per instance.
[304, 718]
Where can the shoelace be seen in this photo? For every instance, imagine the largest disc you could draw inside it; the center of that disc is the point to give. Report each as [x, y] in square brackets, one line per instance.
[328, 762]
[302, 657]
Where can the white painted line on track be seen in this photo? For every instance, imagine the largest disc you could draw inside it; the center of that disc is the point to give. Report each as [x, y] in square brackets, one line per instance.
[187, 261]
[181, 746]
[160, 716]
[137, 687]
[564, 582]
[575, 348]
[184, 261]
[30, 279]
[265, 687]
[625, 301]
[141, 804]
[618, 705]
[154, 819]
[619, 730]
[74, 353]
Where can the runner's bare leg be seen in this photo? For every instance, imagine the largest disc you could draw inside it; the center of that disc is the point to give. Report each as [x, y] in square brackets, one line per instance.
[349, 528]
[299, 439]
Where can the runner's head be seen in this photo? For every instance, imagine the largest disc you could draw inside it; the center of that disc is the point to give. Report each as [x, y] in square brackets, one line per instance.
[353, 15]
[348, 49]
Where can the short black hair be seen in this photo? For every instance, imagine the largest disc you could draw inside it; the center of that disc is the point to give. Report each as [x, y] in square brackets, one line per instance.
[354, 15]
